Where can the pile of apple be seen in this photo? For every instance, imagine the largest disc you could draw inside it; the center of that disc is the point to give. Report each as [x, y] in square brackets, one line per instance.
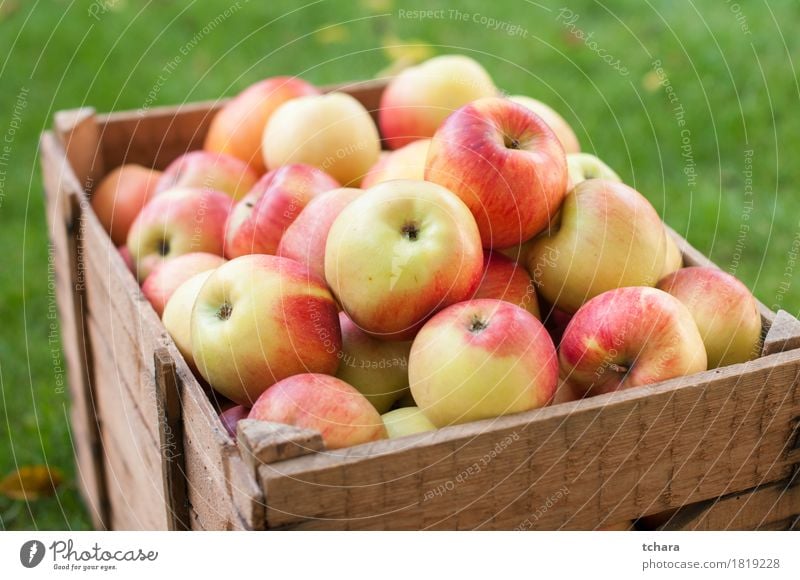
[314, 280]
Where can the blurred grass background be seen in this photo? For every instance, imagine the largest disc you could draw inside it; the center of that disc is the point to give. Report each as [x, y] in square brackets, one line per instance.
[729, 67]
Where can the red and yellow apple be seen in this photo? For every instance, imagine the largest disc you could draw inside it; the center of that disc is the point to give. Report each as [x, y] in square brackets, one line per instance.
[259, 220]
[408, 162]
[231, 417]
[609, 237]
[239, 125]
[321, 403]
[406, 421]
[504, 279]
[304, 240]
[630, 337]
[505, 163]
[673, 260]
[177, 316]
[333, 132]
[214, 171]
[417, 101]
[401, 252]
[583, 166]
[377, 368]
[168, 276]
[550, 116]
[259, 319]
[177, 222]
[480, 359]
[725, 311]
[121, 196]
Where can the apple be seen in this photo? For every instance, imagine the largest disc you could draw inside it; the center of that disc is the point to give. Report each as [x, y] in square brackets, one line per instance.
[121, 196]
[583, 166]
[259, 220]
[556, 321]
[724, 310]
[505, 163]
[304, 240]
[167, 276]
[407, 400]
[177, 315]
[630, 337]
[503, 279]
[239, 125]
[332, 132]
[408, 162]
[325, 404]
[399, 253]
[231, 417]
[179, 221]
[569, 141]
[566, 393]
[609, 237]
[518, 253]
[417, 101]
[259, 319]
[406, 421]
[214, 171]
[480, 359]
[674, 258]
[377, 368]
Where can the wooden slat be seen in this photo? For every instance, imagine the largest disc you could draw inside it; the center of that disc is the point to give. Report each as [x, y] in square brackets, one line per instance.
[783, 334]
[612, 457]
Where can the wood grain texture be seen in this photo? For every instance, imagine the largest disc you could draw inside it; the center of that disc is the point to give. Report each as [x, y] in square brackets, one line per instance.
[262, 442]
[783, 334]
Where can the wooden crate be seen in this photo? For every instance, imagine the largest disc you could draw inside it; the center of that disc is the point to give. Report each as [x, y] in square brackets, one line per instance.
[720, 446]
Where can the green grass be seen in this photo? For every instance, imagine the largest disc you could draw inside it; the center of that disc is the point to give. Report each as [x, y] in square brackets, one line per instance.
[739, 92]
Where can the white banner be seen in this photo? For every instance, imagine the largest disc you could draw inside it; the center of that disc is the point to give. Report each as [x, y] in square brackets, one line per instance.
[410, 555]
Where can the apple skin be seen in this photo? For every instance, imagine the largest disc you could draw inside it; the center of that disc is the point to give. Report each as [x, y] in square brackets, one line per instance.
[610, 236]
[618, 327]
[399, 253]
[503, 279]
[231, 417]
[555, 321]
[505, 163]
[333, 132]
[480, 359]
[259, 220]
[417, 101]
[177, 222]
[674, 259]
[583, 166]
[239, 125]
[725, 311]
[304, 240]
[168, 276]
[204, 170]
[322, 403]
[259, 319]
[406, 421]
[177, 315]
[121, 196]
[569, 141]
[408, 162]
[377, 368]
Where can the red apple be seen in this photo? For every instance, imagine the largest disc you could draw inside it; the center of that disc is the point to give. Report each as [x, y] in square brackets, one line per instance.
[408, 162]
[304, 240]
[341, 414]
[630, 337]
[176, 222]
[231, 417]
[505, 163]
[259, 220]
[167, 276]
[401, 252]
[121, 196]
[204, 170]
[481, 359]
[504, 279]
[723, 308]
[239, 125]
[259, 319]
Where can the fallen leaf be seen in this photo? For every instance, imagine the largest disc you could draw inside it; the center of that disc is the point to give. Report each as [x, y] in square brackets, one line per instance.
[334, 34]
[31, 482]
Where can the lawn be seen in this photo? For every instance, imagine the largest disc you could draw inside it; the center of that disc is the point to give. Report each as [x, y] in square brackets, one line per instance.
[694, 104]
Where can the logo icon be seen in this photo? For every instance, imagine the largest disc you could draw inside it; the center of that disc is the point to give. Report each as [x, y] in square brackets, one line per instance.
[31, 553]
